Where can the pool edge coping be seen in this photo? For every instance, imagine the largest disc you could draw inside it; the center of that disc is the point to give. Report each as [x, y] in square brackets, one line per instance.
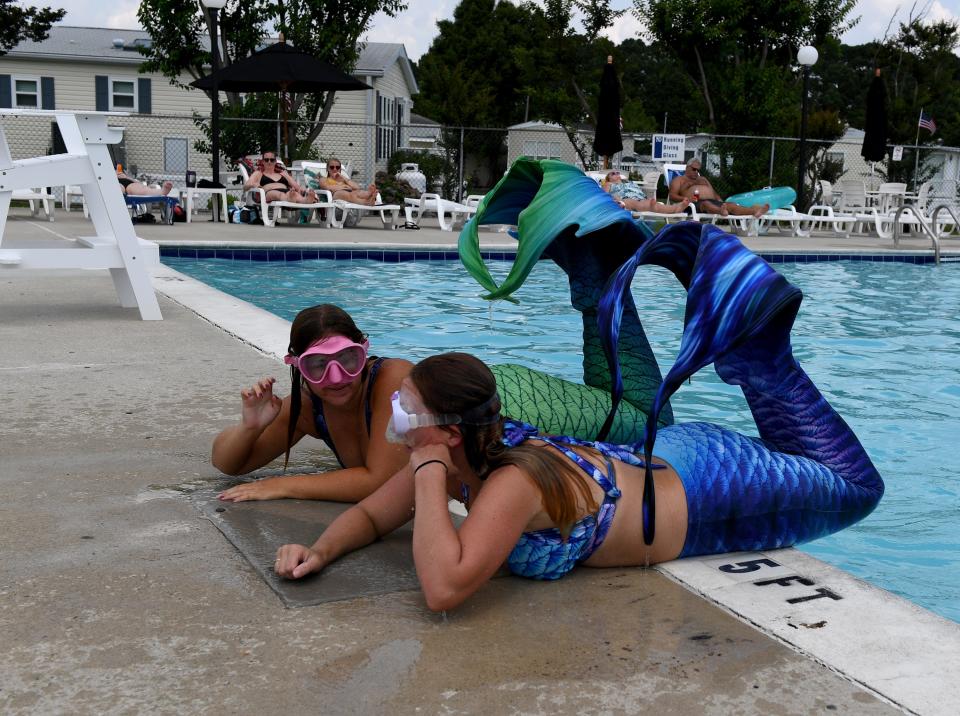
[927, 642]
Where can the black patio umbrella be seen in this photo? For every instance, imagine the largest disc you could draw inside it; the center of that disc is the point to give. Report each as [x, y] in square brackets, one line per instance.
[875, 132]
[607, 140]
[280, 68]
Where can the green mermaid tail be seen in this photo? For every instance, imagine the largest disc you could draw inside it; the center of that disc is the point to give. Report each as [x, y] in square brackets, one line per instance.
[563, 215]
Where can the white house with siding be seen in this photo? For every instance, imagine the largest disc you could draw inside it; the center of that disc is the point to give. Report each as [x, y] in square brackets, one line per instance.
[87, 68]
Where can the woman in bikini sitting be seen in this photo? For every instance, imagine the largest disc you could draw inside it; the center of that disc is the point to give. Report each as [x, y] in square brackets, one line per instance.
[630, 196]
[278, 184]
[340, 395]
[345, 189]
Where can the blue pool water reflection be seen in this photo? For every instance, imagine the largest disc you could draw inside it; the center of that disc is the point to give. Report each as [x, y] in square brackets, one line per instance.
[881, 340]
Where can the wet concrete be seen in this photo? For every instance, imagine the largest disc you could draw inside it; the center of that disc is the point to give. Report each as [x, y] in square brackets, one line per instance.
[120, 596]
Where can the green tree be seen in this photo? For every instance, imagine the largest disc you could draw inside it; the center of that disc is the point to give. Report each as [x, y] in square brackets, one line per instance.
[741, 55]
[19, 23]
[656, 90]
[327, 29]
[562, 67]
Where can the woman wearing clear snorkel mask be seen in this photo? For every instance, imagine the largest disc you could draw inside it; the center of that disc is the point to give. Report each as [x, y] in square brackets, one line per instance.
[347, 398]
[541, 505]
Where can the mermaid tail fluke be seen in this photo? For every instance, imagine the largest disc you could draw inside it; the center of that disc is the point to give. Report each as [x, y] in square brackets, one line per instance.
[738, 316]
[563, 215]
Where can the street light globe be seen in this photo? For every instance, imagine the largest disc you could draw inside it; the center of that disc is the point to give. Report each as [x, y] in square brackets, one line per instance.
[218, 5]
[807, 55]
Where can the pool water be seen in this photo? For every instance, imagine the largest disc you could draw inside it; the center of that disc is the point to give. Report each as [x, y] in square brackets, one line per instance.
[881, 340]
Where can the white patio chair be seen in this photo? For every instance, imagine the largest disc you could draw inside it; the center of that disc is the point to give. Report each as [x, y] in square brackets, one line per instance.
[37, 198]
[890, 196]
[650, 182]
[671, 172]
[70, 193]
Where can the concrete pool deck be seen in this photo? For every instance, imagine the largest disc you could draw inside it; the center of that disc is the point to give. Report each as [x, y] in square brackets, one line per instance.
[120, 596]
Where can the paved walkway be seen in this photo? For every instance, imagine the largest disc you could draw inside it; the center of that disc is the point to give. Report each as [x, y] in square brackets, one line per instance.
[119, 597]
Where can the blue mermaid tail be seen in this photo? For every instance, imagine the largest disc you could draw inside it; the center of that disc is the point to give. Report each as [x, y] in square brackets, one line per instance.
[808, 475]
[563, 215]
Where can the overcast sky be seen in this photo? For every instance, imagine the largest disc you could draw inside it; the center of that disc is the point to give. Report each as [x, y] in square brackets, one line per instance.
[416, 27]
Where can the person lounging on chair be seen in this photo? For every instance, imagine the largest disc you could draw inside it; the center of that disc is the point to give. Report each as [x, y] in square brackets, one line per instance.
[138, 196]
[698, 189]
[270, 185]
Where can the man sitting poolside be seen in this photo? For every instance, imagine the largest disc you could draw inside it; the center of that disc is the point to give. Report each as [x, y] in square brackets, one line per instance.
[698, 189]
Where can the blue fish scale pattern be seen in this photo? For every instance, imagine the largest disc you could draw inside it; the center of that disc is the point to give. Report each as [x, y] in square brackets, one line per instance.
[742, 496]
[545, 554]
[806, 477]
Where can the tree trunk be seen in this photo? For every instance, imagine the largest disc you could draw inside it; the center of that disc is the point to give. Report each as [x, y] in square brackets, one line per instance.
[583, 102]
[703, 86]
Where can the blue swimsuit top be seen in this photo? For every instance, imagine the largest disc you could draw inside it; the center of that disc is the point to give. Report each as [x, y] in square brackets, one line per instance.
[320, 422]
[545, 554]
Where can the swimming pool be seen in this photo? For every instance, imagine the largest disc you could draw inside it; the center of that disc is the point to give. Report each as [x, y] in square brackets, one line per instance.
[881, 340]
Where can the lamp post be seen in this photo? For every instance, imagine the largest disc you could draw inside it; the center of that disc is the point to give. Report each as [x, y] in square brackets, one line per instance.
[213, 7]
[807, 57]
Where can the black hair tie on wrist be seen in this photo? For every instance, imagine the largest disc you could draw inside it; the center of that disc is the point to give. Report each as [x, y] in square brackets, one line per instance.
[430, 462]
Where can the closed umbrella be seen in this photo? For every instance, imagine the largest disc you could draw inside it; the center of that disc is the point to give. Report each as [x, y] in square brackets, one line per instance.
[280, 68]
[607, 140]
[875, 127]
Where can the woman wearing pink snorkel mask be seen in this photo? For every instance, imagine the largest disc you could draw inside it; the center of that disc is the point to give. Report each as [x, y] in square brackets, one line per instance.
[340, 395]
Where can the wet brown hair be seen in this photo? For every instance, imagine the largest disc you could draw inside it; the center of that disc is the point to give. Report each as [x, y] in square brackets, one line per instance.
[460, 384]
[309, 326]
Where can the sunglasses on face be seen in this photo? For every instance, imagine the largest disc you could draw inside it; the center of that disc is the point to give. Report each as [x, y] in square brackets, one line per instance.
[269, 159]
[334, 166]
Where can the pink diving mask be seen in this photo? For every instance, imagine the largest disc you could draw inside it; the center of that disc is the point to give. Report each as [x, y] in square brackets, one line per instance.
[331, 361]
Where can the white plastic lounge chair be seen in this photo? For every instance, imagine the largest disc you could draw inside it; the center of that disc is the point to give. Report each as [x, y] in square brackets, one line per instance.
[340, 210]
[37, 198]
[458, 212]
[671, 172]
[258, 196]
[650, 182]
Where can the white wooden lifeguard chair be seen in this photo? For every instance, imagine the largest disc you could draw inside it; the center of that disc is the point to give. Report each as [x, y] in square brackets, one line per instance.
[86, 164]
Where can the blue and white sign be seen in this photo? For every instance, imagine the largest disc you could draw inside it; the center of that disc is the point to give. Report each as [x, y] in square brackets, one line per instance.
[668, 147]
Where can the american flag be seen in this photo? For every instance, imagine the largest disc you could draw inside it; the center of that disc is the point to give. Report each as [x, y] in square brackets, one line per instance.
[926, 122]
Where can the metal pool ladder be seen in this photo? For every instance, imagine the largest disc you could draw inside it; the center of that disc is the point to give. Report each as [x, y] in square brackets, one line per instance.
[929, 229]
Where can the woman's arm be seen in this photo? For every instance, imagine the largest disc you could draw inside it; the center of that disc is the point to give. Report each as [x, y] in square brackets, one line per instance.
[254, 180]
[381, 513]
[293, 182]
[383, 459]
[451, 564]
[261, 434]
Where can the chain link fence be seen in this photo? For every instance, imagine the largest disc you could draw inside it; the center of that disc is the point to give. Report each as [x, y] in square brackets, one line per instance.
[458, 161]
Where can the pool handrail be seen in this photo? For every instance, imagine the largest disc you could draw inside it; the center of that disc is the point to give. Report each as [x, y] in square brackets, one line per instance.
[930, 229]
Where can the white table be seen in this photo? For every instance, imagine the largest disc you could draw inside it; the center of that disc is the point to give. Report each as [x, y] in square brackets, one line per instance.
[87, 164]
[189, 193]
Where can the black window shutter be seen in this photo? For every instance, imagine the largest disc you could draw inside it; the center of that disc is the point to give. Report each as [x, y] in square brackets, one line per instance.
[47, 100]
[144, 95]
[103, 101]
[5, 96]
